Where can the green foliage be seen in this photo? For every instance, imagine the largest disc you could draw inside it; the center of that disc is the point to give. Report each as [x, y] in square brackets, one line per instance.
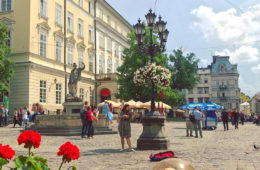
[30, 162]
[174, 96]
[184, 69]
[6, 65]
[134, 59]
[2, 163]
[244, 98]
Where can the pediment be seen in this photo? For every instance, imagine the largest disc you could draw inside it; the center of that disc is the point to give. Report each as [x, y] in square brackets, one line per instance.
[59, 34]
[9, 22]
[81, 45]
[71, 40]
[44, 26]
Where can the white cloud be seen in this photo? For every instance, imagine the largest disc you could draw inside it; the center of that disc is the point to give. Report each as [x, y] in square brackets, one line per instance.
[256, 69]
[242, 54]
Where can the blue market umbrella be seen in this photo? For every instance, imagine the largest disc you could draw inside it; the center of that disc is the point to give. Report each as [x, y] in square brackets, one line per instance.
[214, 106]
[191, 106]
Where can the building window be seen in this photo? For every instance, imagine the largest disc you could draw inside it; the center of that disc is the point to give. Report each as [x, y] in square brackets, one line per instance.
[190, 91]
[109, 65]
[200, 100]
[206, 90]
[109, 44]
[91, 65]
[81, 58]
[116, 65]
[101, 64]
[223, 94]
[58, 14]
[90, 34]
[100, 14]
[200, 90]
[206, 99]
[101, 40]
[70, 22]
[58, 50]
[191, 100]
[43, 91]
[58, 93]
[43, 8]
[116, 49]
[81, 93]
[122, 30]
[206, 80]
[70, 54]
[81, 3]
[81, 28]
[6, 5]
[90, 8]
[108, 20]
[115, 25]
[9, 39]
[43, 44]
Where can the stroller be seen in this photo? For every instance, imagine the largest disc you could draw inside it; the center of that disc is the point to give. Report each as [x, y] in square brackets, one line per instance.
[211, 120]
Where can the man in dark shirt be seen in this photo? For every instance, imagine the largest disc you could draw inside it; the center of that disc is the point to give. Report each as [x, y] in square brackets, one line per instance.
[236, 118]
[224, 117]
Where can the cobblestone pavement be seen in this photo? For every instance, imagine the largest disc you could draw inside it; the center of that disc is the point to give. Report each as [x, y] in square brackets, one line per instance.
[217, 150]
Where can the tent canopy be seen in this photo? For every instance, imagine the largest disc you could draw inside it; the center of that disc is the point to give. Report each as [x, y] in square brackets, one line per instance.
[202, 106]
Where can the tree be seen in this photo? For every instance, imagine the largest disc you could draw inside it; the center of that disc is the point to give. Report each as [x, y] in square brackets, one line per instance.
[133, 59]
[173, 96]
[243, 97]
[6, 65]
[184, 70]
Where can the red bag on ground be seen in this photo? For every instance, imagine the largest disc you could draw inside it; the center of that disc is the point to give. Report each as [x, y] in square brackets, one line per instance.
[161, 156]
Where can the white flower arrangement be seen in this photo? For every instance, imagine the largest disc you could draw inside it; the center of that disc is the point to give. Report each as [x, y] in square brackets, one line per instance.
[159, 75]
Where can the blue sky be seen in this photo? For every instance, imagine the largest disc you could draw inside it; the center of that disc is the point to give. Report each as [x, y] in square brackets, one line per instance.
[208, 27]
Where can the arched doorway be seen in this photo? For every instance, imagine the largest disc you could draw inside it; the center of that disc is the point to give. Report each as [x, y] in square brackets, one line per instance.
[105, 94]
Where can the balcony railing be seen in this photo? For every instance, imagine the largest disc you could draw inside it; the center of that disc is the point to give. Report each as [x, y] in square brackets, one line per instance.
[107, 77]
[222, 87]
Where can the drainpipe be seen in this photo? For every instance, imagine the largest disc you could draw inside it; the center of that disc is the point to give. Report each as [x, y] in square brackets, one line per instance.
[95, 37]
[65, 45]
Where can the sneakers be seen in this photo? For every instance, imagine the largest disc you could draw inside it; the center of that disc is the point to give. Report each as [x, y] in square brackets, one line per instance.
[121, 150]
[132, 150]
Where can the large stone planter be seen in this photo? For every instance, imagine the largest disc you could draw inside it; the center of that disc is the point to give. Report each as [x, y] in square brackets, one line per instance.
[153, 137]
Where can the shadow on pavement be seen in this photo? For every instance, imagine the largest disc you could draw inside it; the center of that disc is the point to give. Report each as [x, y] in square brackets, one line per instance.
[105, 151]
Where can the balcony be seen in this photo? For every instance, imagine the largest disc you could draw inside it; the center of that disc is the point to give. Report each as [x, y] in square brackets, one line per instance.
[107, 77]
[223, 98]
[222, 87]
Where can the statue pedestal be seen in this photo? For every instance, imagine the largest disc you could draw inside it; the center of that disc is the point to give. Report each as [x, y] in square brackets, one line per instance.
[68, 125]
[153, 137]
[73, 107]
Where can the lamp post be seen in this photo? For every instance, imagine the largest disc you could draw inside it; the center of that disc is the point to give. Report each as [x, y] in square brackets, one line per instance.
[153, 134]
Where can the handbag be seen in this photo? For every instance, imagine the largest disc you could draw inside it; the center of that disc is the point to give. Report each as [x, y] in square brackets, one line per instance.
[192, 118]
[162, 156]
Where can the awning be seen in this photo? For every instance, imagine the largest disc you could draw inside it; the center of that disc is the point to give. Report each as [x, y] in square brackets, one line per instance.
[105, 92]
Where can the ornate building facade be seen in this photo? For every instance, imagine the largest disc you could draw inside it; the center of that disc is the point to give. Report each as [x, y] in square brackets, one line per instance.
[36, 39]
[218, 83]
[255, 104]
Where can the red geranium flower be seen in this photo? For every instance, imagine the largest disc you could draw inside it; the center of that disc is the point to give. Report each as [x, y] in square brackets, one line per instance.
[69, 152]
[29, 138]
[6, 152]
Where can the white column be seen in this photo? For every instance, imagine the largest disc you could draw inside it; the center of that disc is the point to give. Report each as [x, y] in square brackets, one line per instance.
[113, 57]
[98, 53]
[105, 45]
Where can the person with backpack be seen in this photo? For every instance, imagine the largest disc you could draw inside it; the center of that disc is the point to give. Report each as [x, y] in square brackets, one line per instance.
[83, 117]
[197, 125]
[189, 123]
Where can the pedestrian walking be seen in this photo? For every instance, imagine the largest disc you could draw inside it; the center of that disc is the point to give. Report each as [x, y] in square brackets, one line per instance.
[2, 113]
[189, 123]
[25, 117]
[198, 117]
[90, 119]
[236, 118]
[124, 127]
[16, 117]
[6, 120]
[83, 116]
[225, 117]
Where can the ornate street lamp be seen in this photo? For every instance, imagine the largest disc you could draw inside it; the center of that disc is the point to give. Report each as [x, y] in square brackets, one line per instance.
[153, 135]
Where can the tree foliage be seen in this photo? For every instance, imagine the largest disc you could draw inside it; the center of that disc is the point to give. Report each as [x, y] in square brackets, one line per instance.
[6, 65]
[133, 59]
[243, 97]
[184, 70]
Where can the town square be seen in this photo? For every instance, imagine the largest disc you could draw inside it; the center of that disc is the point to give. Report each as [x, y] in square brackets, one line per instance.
[108, 84]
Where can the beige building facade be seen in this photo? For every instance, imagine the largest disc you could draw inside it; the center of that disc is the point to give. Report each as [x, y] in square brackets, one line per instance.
[37, 43]
[255, 104]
